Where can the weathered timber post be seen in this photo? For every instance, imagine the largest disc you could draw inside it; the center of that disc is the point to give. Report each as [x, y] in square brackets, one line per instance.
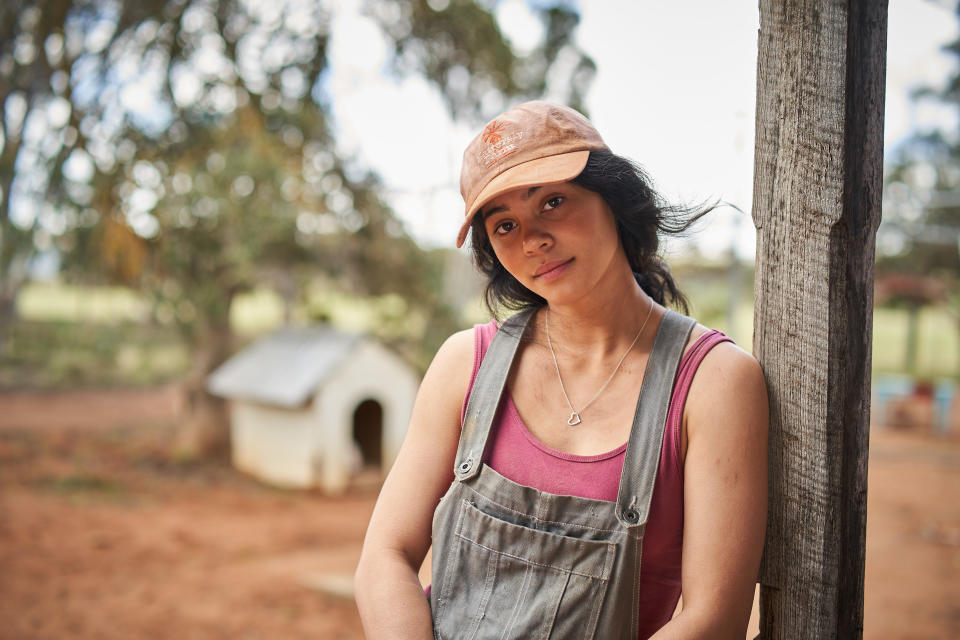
[816, 204]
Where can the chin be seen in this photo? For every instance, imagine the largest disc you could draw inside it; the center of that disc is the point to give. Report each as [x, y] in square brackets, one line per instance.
[560, 295]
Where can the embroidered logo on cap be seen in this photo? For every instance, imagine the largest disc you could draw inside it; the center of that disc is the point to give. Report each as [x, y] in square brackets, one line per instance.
[491, 135]
[502, 143]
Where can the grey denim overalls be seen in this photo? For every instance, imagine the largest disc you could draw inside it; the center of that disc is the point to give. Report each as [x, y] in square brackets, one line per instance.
[510, 561]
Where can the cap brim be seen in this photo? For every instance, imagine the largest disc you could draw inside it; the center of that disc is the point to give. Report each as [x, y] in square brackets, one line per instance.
[558, 168]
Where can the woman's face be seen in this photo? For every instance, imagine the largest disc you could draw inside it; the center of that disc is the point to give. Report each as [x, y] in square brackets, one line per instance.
[559, 239]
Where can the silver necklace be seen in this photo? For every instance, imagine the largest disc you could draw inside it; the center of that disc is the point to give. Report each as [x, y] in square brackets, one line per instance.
[574, 418]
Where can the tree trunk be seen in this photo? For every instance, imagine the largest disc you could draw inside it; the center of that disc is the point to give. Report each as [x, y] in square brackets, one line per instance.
[8, 315]
[16, 246]
[205, 429]
[818, 179]
[913, 332]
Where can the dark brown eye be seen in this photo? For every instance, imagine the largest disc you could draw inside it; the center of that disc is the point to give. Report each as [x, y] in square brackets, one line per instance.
[554, 202]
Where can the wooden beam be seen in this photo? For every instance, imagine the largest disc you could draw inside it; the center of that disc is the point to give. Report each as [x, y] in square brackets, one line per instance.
[816, 206]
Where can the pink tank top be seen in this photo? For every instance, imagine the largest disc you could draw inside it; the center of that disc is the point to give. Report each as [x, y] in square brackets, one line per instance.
[517, 454]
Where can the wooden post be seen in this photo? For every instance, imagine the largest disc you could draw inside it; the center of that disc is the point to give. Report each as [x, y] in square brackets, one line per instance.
[816, 206]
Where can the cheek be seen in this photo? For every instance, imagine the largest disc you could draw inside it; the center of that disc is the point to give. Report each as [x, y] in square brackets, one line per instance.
[502, 246]
[506, 259]
[511, 262]
[608, 229]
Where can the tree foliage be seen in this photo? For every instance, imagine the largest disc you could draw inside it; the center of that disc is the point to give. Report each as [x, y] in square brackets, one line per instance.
[184, 148]
[920, 233]
[918, 257]
[462, 50]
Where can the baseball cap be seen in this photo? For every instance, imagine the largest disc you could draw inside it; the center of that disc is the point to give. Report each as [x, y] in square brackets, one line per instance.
[533, 143]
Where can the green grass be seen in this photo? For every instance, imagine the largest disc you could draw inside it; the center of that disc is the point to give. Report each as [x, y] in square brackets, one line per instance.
[256, 312]
[62, 353]
[938, 350]
[56, 301]
[68, 336]
[938, 339]
[96, 336]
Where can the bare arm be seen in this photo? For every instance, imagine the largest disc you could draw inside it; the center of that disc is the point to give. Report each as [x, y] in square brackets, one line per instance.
[389, 596]
[725, 496]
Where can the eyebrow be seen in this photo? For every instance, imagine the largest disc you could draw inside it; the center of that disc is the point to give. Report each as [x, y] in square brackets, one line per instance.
[486, 214]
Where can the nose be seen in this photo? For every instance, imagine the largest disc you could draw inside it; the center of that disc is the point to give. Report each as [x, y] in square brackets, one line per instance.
[536, 240]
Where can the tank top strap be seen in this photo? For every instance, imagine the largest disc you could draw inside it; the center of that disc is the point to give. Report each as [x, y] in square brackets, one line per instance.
[646, 434]
[485, 395]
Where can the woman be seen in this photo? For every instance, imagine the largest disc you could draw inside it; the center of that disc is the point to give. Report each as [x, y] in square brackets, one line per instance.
[596, 454]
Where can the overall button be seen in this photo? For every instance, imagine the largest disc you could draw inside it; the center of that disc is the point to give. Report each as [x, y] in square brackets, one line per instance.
[465, 466]
[631, 516]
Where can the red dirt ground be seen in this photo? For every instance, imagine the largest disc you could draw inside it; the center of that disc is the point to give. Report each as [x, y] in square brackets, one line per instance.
[103, 536]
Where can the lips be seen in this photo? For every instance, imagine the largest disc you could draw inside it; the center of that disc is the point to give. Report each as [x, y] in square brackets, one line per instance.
[550, 269]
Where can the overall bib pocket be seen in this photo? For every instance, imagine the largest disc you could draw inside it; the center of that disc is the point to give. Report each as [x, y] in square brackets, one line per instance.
[505, 580]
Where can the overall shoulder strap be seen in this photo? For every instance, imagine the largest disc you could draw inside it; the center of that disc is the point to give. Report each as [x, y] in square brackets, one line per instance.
[646, 435]
[485, 394]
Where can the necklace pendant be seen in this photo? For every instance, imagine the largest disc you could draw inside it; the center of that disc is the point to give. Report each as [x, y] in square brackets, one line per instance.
[574, 419]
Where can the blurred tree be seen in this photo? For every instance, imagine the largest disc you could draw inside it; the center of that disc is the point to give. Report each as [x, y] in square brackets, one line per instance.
[920, 233]
[182, 147]
[457, 44]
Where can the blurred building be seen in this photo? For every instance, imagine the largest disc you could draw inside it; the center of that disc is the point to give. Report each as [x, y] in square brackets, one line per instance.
[315, 407]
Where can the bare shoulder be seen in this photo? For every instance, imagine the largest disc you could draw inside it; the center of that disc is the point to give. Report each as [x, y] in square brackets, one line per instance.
[444, 385]
[731, 362]
[458, 346]
[729, 385]
[452, 366]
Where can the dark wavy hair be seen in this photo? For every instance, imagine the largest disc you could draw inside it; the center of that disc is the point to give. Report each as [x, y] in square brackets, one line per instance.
[641, 215]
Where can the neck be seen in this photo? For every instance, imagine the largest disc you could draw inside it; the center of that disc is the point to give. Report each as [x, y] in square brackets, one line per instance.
[602, 325]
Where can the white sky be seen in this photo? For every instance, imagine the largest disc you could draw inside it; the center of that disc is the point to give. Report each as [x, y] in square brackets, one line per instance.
[675, 90]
